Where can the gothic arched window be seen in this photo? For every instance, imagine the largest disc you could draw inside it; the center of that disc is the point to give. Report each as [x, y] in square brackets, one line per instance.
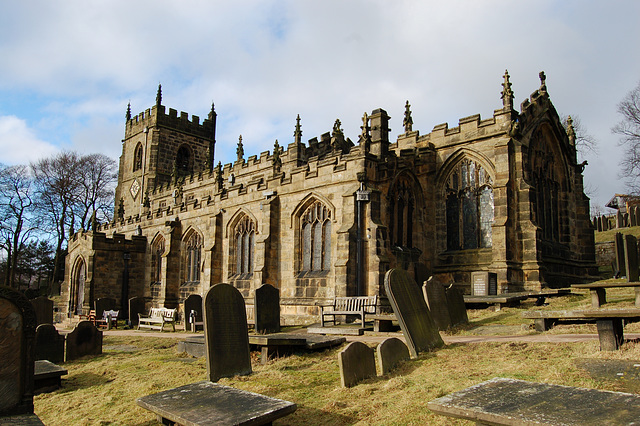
[193, 252]
[402, 212]
[157, 249]
[243, 245]
[469, 206]
[545, 207]
[137, 157]
[315, 225]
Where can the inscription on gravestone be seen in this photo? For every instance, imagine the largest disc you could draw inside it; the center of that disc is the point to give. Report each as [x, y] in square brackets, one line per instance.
[226, 333]
[267, 309]
[411, 310]
[484, 283]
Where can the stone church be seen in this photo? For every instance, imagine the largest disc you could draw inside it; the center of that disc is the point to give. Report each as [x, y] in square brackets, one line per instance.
[501, 195]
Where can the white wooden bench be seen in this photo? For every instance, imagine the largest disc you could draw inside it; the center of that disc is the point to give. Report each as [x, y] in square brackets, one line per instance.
[157, 318]
[350, 305]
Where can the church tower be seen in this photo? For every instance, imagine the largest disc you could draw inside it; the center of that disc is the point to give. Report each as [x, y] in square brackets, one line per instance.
[161, 149]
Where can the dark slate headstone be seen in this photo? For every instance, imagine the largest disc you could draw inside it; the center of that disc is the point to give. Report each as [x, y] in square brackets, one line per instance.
[226, 333]
[136, 306]
[104, 304]
[619, 247]
[85, 339]
[389, 353]
[436, 299]
[266, 309]
[631, 257]
[357, 363]
[44, 309]
[49, 343]
[17, 350]
[599, 223]
[457, 308]
[411, 310]
[192, 303]
[619, 220]
[632, 217]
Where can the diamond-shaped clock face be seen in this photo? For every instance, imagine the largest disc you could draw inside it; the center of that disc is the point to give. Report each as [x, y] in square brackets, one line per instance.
[135, 188]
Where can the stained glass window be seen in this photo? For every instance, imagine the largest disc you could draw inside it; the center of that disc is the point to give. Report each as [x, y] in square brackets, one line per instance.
[316, 238]
[244, 245]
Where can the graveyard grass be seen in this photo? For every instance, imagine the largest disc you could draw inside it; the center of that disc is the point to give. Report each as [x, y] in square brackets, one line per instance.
[102, 390]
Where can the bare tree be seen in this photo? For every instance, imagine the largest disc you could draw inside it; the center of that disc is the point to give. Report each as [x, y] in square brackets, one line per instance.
[629, 130]
[17, 222]
[57, 190]
[97, 176]
[585, 143]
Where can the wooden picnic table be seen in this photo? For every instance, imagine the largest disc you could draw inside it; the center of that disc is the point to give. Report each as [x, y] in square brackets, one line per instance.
[502, 401]
[209, 403]
[598, 291]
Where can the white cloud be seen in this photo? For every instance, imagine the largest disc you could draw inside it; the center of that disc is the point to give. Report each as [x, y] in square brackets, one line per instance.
[18, 143]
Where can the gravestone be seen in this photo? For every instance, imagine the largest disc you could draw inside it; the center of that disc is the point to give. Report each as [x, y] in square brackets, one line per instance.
[631, 257]
[136, 306]
[411, 310]
[619, 248]
[44, 309]
[17, 350]
[266, 309]
[390, 352]
[192, 303]
[49, 344]
[457, 308]
[636, 210]
[434, 295]
[605, 223]
[226, 333]
[357, 363]
[599, 224]
[104, 304]
[85, 339]
[632, 217]
[619, 220]
[484, 283]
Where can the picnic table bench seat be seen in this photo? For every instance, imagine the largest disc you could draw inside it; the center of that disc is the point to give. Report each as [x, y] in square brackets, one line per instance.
[348, 305]
[502, 401]
[157, 318]
[598, 291]
[608, 321]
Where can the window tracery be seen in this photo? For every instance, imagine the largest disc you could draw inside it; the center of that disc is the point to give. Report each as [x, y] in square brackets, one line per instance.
[244, 244]
[137, 157]
[193, 246]
[402, 214]
[316, 238]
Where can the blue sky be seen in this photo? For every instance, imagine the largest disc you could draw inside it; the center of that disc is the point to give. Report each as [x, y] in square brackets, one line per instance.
[70, 68]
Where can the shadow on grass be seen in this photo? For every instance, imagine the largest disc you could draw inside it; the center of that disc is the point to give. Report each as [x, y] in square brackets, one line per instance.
[83, 380]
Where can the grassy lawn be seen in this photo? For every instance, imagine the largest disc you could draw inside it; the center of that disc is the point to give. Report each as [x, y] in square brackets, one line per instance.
[102, 390]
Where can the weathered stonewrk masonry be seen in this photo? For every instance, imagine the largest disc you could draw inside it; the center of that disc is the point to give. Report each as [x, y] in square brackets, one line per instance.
[329, 217]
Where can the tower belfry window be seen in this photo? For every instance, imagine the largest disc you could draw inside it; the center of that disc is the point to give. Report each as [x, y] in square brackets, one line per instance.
[137, 158]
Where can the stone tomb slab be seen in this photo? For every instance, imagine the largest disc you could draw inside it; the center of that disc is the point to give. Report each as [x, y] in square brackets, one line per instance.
[267, 309]
[47, 376]
[208, 403]
[49, 343]
[84, 339]
[226, 333]
[44, 309]
[411, 310]
[389, 353]
[357, 363]
[434, 294]
[136, 306]
[517, 402]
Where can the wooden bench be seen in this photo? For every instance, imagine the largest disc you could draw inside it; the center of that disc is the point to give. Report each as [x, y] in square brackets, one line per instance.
[501, 401]
[598, 291]
[383, 322]
[157, 318]
[109, 319]
[350, 305]
[208, 403]
[608, 322]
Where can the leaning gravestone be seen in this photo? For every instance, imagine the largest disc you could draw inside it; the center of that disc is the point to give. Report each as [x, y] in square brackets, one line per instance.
[631, 257]
[85, 339]
[457, 308]
[104, 304]
[226, 333]
[136, 306]
[266, 309]
[434, 295]
[17, 349]
[49, 344]
[619, 247]
[411, 310]
[356, 363]
[44, 309]
[192, 303]
[390, 352]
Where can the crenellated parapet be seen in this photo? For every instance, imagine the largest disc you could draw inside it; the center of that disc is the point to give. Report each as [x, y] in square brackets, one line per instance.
[157, 116]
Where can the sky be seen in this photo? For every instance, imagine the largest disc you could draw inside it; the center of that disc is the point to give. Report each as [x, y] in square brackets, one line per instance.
[70, 68]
